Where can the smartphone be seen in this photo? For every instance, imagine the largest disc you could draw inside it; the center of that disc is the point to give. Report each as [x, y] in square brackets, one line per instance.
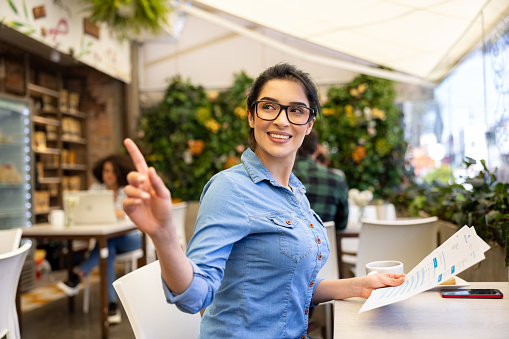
[483, 293]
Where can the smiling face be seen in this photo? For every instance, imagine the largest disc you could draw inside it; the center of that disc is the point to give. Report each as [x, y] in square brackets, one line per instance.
[279, 140]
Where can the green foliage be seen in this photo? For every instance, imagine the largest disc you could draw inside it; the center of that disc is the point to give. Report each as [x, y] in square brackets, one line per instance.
[480, 201]
[442, 174]
[189, 136]
[126, 17]
[363, 130]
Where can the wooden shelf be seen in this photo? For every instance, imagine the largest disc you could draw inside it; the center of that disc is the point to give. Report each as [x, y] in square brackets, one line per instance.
[47, 151]
[37, 90]
[81, 141]
[51, 180]
[45, 121]
[80, 115]
[74, 167]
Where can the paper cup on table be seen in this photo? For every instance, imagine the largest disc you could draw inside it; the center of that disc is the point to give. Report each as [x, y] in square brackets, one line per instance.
[384, 266]
[56, 218]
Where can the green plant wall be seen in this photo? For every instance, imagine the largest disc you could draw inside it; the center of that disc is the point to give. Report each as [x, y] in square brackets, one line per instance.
[363, 130]
[192, 135]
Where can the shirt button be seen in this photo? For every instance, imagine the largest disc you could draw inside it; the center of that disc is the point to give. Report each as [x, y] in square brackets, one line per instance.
[319, 257]
[307, 311]
[288, 222]
[318, 240]
[311, 225]
[311, 284]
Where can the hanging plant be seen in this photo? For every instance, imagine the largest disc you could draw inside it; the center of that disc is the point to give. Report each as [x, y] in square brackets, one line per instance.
[130, 17]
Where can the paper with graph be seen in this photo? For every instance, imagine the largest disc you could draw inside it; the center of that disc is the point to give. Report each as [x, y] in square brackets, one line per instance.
[458, 253]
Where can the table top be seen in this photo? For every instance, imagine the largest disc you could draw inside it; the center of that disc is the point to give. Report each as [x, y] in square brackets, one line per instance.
[46, 229]
[427, 315]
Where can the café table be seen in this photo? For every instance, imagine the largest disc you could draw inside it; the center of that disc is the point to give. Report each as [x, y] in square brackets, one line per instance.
[101, 232]
[427, 315]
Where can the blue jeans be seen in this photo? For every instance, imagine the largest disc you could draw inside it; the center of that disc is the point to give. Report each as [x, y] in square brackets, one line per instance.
[125, 243]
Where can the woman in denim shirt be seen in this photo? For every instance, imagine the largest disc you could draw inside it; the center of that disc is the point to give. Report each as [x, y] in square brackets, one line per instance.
[257, 247]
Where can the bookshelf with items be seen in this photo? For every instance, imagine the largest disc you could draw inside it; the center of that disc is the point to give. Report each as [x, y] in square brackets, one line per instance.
[59, 144]
[73, 136]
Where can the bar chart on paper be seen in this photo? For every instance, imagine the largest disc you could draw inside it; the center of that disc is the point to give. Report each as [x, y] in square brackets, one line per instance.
[458, 253]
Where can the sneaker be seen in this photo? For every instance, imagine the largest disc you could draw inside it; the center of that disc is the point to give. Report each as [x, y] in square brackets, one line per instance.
[70, 287]
[114, 316]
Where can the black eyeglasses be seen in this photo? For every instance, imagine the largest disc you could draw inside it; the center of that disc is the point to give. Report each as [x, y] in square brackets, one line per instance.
[269, 111]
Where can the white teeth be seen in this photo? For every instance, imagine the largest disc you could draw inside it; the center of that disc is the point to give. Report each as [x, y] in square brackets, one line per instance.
[279, 136]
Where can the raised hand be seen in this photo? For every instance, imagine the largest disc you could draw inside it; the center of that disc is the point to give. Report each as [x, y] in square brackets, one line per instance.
[148, 202]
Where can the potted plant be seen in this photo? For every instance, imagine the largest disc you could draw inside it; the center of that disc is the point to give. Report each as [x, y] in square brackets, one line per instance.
[127, 18]
[479, 201]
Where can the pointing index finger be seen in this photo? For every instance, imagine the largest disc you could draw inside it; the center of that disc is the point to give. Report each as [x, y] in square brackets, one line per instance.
[138, 159]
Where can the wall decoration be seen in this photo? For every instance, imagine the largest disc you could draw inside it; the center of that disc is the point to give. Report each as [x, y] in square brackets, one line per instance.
[63, 27]
[39, 12]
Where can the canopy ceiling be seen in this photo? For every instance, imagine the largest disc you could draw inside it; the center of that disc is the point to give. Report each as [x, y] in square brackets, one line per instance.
[425, 39]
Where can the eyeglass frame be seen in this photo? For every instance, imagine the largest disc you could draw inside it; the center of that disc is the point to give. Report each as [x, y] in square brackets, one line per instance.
[312, 112]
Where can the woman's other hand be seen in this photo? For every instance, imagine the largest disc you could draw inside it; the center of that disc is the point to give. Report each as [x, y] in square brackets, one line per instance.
[148, 202]
[375, 281]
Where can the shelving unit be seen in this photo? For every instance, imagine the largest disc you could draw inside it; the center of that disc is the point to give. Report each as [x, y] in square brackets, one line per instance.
[59, 135]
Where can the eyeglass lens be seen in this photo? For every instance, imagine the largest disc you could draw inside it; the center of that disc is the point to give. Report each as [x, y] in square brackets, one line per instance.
[298, 115]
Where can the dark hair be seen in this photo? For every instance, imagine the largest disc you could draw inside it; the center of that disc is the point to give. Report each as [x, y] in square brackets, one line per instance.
[122, 165]
[322, 158]
[309, 144]
[282, 71]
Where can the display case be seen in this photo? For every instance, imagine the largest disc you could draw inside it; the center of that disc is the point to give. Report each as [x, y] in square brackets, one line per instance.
[16, 171]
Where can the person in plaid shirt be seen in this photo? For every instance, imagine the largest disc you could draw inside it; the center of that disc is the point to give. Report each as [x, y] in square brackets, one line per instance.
[326, 189]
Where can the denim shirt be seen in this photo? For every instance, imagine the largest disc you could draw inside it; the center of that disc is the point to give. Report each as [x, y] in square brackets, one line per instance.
[256, 251]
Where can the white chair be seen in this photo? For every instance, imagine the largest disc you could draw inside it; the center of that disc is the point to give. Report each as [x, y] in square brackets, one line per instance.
[9, 240]
[151, 317]
[130, 259]
[11, 264]
[405, 240]
[179, 217]
[330, 271]
[350, 245]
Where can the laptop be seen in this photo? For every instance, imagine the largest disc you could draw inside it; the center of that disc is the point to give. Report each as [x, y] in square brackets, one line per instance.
[93, 207]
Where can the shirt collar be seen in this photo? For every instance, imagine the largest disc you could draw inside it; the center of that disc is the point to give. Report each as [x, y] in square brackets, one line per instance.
[258, 172]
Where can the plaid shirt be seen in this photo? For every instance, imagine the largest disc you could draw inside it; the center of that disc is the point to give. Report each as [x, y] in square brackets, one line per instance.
[326, 190]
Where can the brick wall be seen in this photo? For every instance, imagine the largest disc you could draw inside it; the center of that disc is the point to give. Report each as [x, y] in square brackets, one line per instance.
[104, 102]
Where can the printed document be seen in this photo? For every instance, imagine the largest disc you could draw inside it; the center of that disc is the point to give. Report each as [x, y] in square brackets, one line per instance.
[458, 253]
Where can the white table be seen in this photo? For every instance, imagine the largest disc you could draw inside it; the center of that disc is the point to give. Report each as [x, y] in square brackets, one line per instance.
[85, 232]
[427, 315]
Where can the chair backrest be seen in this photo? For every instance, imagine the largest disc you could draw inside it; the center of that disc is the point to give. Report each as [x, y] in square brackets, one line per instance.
[331, 269]
[11, 264]
[151, 317]
[179, 217]
[9, 239]
[405, 240]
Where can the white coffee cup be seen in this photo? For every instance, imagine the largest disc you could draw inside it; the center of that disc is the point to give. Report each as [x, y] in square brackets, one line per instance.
[384, 266]
[56, 218]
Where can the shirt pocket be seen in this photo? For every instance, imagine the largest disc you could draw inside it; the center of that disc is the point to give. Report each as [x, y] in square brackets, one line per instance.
[294, 240]
[322, 230]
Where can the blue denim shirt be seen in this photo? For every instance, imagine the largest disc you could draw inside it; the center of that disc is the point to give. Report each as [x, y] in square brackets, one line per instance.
[256, 250]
